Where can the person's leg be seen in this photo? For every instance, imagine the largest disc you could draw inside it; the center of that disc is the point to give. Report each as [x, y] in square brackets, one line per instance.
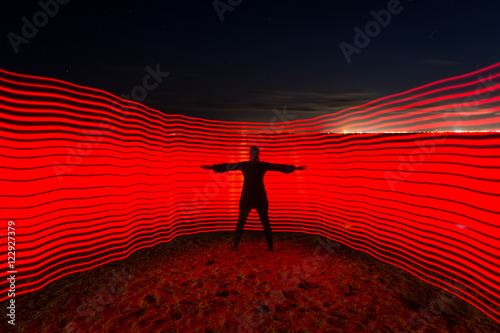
[244, 211]
[264, 219]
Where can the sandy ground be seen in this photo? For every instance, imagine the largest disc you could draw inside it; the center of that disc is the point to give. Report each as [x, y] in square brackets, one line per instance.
[199, 283]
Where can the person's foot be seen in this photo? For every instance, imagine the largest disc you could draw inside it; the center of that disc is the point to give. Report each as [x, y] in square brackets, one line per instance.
[235, 245]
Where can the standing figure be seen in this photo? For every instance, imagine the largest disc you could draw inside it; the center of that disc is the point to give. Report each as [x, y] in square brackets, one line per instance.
[254, 193]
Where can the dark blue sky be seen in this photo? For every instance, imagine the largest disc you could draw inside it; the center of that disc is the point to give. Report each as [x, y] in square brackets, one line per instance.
[263, 55]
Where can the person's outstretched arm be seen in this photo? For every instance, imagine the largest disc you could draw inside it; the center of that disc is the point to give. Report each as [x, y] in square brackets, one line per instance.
[285, 168]
[223, 167]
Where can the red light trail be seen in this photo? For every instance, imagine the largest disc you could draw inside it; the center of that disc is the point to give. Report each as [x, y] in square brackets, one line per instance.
[89, 178]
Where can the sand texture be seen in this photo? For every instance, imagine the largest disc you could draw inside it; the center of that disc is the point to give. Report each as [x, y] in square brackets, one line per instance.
[198, 283]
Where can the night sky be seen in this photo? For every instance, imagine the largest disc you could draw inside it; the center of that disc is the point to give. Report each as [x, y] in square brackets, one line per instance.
[240, 61]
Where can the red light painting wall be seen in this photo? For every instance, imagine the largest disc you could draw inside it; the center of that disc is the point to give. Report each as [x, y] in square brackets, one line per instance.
[87, 178]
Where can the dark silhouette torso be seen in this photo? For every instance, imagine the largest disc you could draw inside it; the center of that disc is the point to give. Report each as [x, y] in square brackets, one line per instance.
[254, 193]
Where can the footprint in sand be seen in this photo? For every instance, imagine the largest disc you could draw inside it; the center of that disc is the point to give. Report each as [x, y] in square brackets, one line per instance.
[175, 314]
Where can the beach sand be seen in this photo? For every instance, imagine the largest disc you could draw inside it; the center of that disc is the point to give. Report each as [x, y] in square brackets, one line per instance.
[198, 283]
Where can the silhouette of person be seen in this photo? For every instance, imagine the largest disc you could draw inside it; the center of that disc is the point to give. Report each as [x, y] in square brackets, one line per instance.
[254, 193]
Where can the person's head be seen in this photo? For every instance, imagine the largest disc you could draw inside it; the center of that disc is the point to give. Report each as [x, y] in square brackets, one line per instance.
[254, 153]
